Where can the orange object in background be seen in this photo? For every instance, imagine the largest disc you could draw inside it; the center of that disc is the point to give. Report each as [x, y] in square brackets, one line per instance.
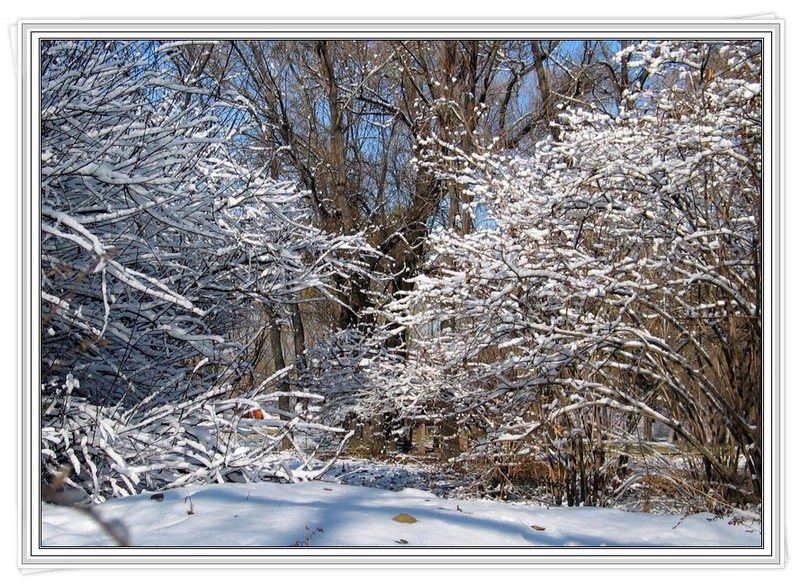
[254, 414]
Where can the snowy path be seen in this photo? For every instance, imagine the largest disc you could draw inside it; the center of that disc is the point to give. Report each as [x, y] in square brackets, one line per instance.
[286, 515]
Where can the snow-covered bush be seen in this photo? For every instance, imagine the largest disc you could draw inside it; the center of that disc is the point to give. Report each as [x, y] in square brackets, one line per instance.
[114, 451]
[155, 238]
[614, 279]
[367, 386]
[163, 246]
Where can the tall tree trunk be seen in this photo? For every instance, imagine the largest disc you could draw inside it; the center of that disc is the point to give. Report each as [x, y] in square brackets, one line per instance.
[544, 87]
[279, 363]
[337, 148]
[298, 335]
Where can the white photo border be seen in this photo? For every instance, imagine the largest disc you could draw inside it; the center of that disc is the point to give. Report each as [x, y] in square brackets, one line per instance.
[31, 555]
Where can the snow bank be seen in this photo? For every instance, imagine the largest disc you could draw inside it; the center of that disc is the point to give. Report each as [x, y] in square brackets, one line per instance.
[328, 514]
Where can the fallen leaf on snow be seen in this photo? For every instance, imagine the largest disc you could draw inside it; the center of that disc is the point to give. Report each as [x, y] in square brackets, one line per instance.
[404, 518]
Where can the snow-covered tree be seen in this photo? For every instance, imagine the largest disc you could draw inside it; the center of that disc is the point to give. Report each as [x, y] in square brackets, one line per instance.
[162, 248]
[614, 278]
[154, 235]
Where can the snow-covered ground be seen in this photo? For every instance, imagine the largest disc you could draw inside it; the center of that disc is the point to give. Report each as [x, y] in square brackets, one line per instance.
[332, 514]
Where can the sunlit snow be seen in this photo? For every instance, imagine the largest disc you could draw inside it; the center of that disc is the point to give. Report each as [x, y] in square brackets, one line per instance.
[331, 514]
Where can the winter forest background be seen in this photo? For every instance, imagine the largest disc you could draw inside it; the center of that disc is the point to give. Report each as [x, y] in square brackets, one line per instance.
[532, 264]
